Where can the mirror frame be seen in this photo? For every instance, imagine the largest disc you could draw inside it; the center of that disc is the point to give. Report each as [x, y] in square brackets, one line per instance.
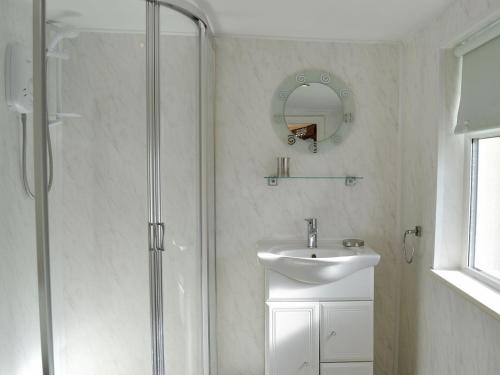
[288, 86]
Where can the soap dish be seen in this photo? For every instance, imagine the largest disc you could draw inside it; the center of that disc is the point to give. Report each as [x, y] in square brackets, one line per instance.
[353, 242]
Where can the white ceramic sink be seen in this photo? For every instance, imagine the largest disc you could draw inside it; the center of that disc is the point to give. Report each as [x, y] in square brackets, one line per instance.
[329, 262]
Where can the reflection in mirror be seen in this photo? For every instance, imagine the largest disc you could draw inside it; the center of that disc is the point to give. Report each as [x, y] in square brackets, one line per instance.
[313, 111]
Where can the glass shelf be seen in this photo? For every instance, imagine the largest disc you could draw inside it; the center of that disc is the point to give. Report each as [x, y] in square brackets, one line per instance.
[348, 180]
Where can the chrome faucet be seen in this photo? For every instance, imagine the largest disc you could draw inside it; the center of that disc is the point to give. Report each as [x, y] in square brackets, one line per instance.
[312, 233]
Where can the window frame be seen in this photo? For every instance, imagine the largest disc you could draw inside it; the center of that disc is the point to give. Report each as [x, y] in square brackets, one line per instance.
[471, 179]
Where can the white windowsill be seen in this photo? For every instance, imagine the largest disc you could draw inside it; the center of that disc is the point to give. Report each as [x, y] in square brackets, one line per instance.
[485, 297]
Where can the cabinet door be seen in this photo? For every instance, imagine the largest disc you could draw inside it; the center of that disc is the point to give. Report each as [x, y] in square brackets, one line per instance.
[347, 331]
[359, 368]
[292, 338]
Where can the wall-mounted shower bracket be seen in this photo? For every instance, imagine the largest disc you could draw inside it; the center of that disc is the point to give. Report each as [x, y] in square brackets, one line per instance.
[156, 236]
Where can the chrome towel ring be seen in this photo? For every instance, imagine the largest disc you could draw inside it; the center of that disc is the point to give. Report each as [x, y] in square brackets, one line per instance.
[408, 255]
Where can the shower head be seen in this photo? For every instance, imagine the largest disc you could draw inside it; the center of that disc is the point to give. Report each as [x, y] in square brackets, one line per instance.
[61, 34]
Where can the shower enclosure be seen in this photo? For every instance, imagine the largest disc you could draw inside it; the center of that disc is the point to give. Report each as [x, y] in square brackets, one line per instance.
[119, 278]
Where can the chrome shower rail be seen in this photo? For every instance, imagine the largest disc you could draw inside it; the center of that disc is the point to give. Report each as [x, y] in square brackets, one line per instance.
[40, 134]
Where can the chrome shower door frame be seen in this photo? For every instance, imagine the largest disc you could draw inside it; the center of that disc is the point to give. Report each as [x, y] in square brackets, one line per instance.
[155, 225]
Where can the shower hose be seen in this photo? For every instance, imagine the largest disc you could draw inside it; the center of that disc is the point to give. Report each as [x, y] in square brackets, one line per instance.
[26, 185]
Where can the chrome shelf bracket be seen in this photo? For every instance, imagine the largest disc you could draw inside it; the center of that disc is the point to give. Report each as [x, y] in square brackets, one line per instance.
[350, 181]
[272, 181]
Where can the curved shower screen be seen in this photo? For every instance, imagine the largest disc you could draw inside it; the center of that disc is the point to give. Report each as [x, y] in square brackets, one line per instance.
[185, 163]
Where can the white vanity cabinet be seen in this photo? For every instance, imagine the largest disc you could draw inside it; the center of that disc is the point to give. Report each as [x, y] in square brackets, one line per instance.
[319, 308]
[318, 336]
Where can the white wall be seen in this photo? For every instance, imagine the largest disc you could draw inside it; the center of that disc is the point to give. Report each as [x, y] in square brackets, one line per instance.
[440, 331]
[248, 72]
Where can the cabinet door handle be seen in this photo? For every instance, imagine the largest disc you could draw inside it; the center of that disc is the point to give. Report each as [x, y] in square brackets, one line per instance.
[306, 364]
[333, 333]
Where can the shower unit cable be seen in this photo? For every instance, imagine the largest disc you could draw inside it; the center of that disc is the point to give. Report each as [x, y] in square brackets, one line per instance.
[53, 50]
[155, 226]
[24, 168]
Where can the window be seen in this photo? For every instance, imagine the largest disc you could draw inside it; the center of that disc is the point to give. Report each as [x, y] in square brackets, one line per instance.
[467, 241]
[484, 219]
[479, 120]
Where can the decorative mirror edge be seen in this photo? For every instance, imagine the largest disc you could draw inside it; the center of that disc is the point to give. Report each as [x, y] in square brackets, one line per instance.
[294, 81]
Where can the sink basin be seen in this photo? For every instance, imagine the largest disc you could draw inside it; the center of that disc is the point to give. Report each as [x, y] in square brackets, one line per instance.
[329, 262]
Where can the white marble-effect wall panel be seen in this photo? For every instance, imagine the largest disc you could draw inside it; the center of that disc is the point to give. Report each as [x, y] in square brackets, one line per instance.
[99, 209]
[248, 72]
[19, 327]
[440, 331]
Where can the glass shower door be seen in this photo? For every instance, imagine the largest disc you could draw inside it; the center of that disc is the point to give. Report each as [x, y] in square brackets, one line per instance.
[181, 191]
[182, 88]
[20, 352]
[98, 201]
[178, 155]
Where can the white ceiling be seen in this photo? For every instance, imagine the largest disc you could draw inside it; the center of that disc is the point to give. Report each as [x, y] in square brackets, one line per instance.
[368, 20]
[362, 20]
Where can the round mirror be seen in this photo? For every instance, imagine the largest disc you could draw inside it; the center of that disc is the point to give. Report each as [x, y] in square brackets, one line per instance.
[312, 110]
